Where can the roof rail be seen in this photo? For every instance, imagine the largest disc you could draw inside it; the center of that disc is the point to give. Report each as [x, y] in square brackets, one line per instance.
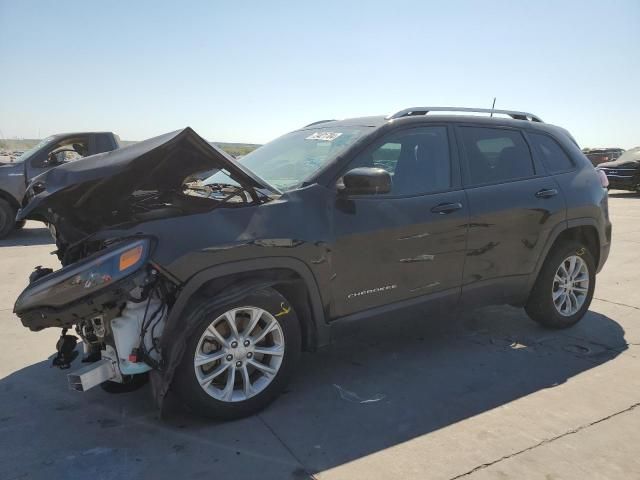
[319, 121]
[409, 112]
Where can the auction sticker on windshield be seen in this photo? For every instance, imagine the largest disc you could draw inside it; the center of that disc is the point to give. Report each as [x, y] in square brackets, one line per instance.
[325, 136]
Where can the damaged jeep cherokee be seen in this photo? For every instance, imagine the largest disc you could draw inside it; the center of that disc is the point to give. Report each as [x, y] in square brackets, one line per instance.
[210, 275]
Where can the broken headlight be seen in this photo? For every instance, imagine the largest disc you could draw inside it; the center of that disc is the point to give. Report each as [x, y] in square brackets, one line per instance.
[85, 277]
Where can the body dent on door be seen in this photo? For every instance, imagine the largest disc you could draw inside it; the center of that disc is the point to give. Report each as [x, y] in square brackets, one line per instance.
[510, 222]
[393, 249]
[506, 238]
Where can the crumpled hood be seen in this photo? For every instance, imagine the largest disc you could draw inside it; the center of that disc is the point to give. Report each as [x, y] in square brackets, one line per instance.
[77, 193]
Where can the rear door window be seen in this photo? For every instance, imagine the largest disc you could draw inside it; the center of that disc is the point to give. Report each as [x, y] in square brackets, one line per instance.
[553, 156]
[495, 155]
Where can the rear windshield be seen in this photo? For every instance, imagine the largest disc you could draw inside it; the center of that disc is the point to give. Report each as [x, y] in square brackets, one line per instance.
[287, 162]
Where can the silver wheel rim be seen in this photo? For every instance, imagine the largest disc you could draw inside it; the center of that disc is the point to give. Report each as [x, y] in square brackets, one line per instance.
[239, 354]
[570, 285]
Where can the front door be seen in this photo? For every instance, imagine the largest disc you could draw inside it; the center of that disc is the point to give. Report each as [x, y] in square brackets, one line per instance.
[62, 151]
[407, 243]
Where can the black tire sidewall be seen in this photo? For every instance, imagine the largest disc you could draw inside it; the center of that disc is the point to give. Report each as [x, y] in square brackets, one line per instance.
[540, 305]
[185, 383]
[7, 218]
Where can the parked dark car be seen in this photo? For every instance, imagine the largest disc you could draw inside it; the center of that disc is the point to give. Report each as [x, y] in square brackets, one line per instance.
[215, 286]
[50, 152]
[602, 155]
[624, 173]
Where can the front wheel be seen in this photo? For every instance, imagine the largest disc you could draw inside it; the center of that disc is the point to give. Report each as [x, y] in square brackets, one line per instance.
[240, 355]
[564, 288]
[7, 218]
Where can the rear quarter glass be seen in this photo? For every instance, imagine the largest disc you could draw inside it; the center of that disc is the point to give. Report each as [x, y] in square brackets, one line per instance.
[553, 156]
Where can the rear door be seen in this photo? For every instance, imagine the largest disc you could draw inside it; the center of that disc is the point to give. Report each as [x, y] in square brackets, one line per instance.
[513, 206]
[410, 242]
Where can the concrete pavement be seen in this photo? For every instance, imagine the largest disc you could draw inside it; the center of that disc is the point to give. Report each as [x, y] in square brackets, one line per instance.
[487, 395]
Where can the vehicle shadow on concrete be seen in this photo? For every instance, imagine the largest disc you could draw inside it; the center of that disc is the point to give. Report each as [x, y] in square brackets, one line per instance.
[390, 382]
[27, 237]
[393, 382]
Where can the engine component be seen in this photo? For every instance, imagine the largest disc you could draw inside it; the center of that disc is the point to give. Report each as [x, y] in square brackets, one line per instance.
[39, 272]
[127, 329]
[66, 347]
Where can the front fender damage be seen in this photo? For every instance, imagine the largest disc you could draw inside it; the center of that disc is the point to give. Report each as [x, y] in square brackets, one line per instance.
[180, 325]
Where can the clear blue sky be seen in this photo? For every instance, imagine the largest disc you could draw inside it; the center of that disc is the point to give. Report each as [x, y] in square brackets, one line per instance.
[250, 71]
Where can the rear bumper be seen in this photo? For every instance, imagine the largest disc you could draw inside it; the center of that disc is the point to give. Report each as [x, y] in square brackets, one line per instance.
[626, 184]
[628, 179]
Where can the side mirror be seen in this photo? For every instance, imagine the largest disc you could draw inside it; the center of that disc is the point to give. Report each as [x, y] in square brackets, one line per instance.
[366, 181]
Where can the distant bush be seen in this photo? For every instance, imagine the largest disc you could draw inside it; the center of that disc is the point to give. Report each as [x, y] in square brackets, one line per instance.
[237, 150]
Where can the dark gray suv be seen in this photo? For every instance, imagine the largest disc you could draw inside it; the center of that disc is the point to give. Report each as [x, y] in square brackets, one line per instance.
[213, 274]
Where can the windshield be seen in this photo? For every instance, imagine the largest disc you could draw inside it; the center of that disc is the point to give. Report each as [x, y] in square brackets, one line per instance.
[33, 150]
[287, 162]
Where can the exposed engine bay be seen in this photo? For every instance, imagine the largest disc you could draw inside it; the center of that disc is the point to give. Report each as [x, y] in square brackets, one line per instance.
[148, 205]
[154, 179]
[114, 300]
[109, 290]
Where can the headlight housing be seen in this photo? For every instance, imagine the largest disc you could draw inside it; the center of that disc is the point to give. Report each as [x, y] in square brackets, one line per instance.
[86, 277]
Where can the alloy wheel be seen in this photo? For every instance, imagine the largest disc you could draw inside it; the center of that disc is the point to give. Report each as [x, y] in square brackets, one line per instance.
[239, 354]
[570, 285]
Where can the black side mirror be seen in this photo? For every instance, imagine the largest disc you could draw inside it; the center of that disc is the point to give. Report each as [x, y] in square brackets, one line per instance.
[366, 181]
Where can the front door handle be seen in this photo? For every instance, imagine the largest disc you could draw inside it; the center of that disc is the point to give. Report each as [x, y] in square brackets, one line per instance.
[445, 208]
[547, 193]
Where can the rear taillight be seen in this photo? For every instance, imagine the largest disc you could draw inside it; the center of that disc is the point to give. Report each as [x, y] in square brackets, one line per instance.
[604, 181]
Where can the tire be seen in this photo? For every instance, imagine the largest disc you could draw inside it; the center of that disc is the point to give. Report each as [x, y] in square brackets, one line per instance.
[541, 306]
[7, 218]
[262, 308]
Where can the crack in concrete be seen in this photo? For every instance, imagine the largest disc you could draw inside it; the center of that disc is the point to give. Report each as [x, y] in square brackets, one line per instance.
[617, 303]
[544, 442]
[286, 447]
[151, 421]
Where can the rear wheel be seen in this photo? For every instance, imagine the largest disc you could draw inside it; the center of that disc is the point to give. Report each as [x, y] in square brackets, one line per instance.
[7, 218]
[564, 288]
[240, 356]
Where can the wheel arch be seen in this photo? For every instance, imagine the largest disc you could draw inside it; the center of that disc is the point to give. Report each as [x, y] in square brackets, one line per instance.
[289, 276]
[585, 232]
[10, 199]
[581, 229]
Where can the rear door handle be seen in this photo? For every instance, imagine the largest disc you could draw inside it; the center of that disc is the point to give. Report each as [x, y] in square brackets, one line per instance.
[547, 193]
[445, 208]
